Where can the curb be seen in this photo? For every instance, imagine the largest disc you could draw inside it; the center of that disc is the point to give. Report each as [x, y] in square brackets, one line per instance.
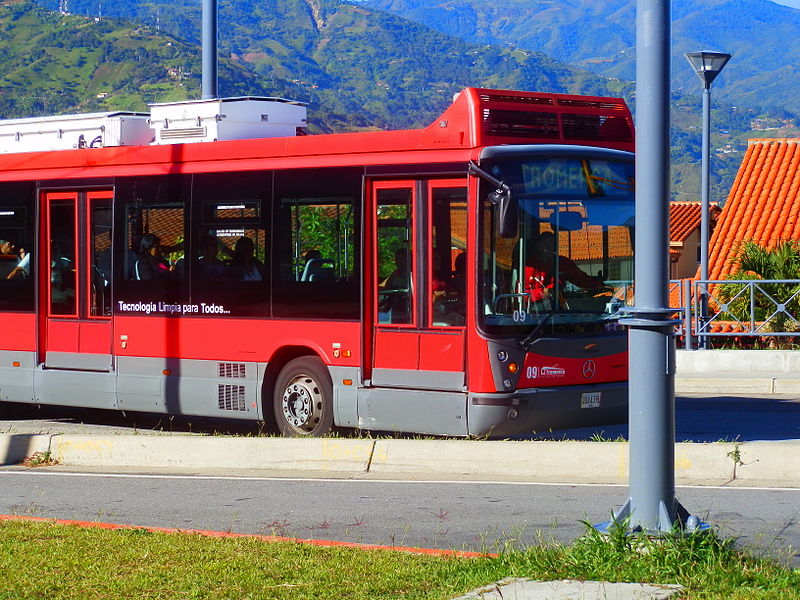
[748, 463]
[733, 385]
[252, 536]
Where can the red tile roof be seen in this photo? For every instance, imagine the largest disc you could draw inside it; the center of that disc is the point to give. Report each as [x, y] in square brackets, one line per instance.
[763, 203]
[684, 218]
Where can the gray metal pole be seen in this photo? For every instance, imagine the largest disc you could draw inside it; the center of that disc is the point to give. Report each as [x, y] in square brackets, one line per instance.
[704, 212]
[209, 84]
[652, 506]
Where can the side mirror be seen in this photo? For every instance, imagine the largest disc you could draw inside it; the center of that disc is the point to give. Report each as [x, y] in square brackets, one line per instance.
[507, 212]
[507, 209]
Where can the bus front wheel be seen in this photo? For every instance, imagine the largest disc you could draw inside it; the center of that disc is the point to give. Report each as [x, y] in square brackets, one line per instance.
[303, 399]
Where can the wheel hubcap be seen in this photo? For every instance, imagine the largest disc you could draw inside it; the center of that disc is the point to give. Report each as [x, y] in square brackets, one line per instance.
[302, 404]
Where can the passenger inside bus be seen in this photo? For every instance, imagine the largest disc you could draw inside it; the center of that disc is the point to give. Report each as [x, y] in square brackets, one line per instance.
[395, 291]
[450, 304]
[244, 266]
[209, 266]
[150, 264]
[15, 264]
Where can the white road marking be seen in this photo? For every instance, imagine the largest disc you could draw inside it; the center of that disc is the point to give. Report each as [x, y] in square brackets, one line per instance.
[351, 480]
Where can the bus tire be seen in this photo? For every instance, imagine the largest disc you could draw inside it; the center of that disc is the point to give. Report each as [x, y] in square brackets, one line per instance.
[303, 399]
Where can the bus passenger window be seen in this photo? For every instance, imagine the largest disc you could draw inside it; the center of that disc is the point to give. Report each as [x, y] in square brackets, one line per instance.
[229, 266]
[151, 267]
[315, 250]
[17, 265]
[229, 271]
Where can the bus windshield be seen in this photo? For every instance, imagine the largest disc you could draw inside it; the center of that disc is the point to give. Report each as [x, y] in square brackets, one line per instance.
[569, 266]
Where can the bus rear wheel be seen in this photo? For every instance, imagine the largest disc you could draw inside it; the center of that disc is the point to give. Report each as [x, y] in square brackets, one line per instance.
[303, 399]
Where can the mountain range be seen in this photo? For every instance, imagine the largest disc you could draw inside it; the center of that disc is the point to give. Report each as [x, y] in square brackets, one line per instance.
[600, 35]
[357, 67]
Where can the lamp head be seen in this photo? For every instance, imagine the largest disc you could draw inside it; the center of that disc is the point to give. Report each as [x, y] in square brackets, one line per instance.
[707, 64]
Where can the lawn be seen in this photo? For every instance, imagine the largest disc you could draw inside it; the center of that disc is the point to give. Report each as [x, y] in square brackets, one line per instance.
[44, 559]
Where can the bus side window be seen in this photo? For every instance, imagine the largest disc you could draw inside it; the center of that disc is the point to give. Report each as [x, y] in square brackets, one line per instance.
[17, 260]
[229, 261]
[151, 250]
[316, 246]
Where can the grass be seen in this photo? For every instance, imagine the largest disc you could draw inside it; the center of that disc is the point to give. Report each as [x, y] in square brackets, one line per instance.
[48, 560]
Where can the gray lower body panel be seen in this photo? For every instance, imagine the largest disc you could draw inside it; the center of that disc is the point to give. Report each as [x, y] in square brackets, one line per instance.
[426, 412]
[89, 389]
[543, 409]
[345, 395]
[416, 379]
[189, 387]
[16, 382]
[78, 361]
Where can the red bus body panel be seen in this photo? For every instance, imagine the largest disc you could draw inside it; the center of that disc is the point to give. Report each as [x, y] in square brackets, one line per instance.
[232, 339]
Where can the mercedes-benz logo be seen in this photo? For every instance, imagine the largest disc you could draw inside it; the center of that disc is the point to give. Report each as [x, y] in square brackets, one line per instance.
[589, 369]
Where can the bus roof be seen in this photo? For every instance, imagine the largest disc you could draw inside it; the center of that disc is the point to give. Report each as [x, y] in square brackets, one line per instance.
[477, 118]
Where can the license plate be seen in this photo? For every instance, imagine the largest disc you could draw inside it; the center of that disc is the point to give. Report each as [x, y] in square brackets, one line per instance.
[590, 400]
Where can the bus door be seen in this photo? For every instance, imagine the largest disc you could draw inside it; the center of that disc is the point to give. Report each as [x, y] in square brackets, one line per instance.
[75, 281]
[418, 310]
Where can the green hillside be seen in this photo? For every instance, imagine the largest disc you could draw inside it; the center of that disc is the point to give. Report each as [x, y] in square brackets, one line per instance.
[357, 67]
[51, 63]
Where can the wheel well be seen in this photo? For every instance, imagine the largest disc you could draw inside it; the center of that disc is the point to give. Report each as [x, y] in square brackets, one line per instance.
[276, 363]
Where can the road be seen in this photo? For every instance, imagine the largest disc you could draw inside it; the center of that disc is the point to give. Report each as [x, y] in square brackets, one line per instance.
[465, 515]
[699, 418]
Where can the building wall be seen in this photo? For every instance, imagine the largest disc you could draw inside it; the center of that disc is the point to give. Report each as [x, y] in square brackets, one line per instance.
[687, 264]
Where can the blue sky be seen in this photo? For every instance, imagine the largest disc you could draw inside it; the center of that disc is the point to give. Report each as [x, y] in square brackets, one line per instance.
[792, 3]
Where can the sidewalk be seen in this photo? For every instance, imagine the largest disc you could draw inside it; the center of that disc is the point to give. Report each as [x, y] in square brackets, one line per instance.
[524, 589]
[774, 464]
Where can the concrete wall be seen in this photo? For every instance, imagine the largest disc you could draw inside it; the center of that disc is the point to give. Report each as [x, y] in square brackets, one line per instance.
[739, 363]
[755, 372]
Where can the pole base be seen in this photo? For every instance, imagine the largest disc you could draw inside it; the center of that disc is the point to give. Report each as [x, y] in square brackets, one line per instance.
[682, 523]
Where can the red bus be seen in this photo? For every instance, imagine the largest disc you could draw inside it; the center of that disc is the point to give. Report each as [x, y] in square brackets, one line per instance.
[463, 279]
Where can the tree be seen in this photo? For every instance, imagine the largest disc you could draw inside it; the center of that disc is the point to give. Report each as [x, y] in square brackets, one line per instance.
[776, 305]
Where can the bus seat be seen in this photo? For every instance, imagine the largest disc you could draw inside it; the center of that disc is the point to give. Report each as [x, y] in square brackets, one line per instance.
[318, 269]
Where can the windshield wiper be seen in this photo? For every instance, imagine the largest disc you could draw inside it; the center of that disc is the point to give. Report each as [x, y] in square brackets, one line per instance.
[526, 343]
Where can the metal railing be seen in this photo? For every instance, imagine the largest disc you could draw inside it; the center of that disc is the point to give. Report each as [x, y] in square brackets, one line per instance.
[735, 308]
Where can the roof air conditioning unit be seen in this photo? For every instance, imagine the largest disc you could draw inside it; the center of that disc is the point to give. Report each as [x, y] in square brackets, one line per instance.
[226, 119]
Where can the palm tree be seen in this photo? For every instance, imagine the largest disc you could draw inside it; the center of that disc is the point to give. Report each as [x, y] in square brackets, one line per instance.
[777, 305]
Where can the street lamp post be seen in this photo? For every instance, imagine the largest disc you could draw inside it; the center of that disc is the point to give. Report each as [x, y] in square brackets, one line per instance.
[707, 65]
[209, 62]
